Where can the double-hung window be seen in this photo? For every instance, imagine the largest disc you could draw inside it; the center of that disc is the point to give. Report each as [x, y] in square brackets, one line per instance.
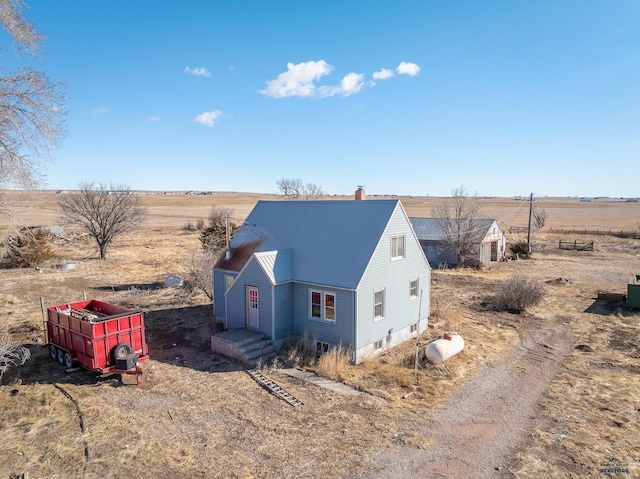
[323, 305]
[378, 305]
[413, 289]
[397, 247]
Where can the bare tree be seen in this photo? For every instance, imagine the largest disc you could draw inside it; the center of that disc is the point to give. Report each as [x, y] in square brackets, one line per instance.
[200, 270]
[295, 188]
[459, 219]
[31, 107]
[290, 188]
[312, 191]
[539, 217]
[103, 211]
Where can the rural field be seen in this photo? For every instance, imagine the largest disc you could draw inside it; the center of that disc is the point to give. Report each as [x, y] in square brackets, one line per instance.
[552, 392]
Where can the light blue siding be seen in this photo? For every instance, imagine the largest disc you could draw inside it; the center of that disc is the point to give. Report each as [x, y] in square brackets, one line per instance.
[251, 275]
[339, 247]
[283, 311]
[219, 286]
[394, 278]
[335, 332]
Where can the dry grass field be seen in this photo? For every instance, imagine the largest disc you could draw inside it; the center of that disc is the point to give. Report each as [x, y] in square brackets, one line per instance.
[553, 392]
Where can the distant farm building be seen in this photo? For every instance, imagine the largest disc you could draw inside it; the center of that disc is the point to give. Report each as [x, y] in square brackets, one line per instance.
[491, 242]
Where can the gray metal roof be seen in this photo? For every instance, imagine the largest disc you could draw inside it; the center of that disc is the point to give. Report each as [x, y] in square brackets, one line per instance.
[429, 229]
[330, 241]
[276, 265]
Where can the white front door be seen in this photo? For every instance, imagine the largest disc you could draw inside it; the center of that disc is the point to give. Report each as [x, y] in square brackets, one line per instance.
[252, 307]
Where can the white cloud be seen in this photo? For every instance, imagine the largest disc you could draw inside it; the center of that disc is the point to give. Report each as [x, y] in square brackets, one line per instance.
[99, 111]
[301, 80]
[352, 83]
[198, 71]
[153, 119]
[383, 74]
[298, 80]
[208, 118]
[410, 69]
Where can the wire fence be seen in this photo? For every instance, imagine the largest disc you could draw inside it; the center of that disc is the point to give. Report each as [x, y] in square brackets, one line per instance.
[574, 245]
[592, 232]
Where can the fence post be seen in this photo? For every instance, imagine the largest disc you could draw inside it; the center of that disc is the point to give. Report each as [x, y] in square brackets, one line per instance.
[44, 320]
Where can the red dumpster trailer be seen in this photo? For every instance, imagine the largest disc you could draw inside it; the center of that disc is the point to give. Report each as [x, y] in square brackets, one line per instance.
[98, 336]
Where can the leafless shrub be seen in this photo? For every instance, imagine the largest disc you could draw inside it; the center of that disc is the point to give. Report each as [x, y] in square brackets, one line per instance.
[10, 354]
[518, 293]
[334, 363]
[199, 268]
[520, 249]
[539, 217]
[300, 352]
[29, 248]
[189, 226]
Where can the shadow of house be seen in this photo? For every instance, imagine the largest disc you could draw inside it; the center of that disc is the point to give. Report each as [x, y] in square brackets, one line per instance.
[131, 286]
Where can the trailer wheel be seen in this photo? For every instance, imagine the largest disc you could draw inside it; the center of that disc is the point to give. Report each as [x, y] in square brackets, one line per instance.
[60, 356]
[121, 351]
[68, 362]
[53, 352]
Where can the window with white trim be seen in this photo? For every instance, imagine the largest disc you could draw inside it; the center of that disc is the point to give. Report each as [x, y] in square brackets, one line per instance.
[322, 347]
[378, 305]
[377, 345]
[323, 305]
[397, 247]
[413, 328]
[413, 289]
[227, 281]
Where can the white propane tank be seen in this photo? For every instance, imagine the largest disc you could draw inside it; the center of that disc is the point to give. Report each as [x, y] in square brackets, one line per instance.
[444, 348]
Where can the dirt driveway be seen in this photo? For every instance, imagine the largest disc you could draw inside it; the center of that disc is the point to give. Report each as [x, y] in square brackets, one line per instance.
[475, 430]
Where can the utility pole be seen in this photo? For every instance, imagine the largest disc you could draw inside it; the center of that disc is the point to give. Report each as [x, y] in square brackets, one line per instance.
[529, 230]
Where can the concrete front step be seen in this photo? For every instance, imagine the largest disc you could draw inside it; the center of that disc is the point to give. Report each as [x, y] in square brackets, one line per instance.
[258, 352]
[248, 347]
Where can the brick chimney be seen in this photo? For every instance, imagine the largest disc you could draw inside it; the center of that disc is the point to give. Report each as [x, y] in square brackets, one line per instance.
[360, 193]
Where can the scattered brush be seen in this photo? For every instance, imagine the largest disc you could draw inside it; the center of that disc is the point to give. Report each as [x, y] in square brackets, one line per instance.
[334, 363]
[518, 293]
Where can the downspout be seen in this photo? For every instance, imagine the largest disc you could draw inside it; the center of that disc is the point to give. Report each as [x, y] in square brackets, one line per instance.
[355, 327]
[273, 312]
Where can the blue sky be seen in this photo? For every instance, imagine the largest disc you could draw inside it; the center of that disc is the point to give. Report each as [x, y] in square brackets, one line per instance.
[404, 97]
